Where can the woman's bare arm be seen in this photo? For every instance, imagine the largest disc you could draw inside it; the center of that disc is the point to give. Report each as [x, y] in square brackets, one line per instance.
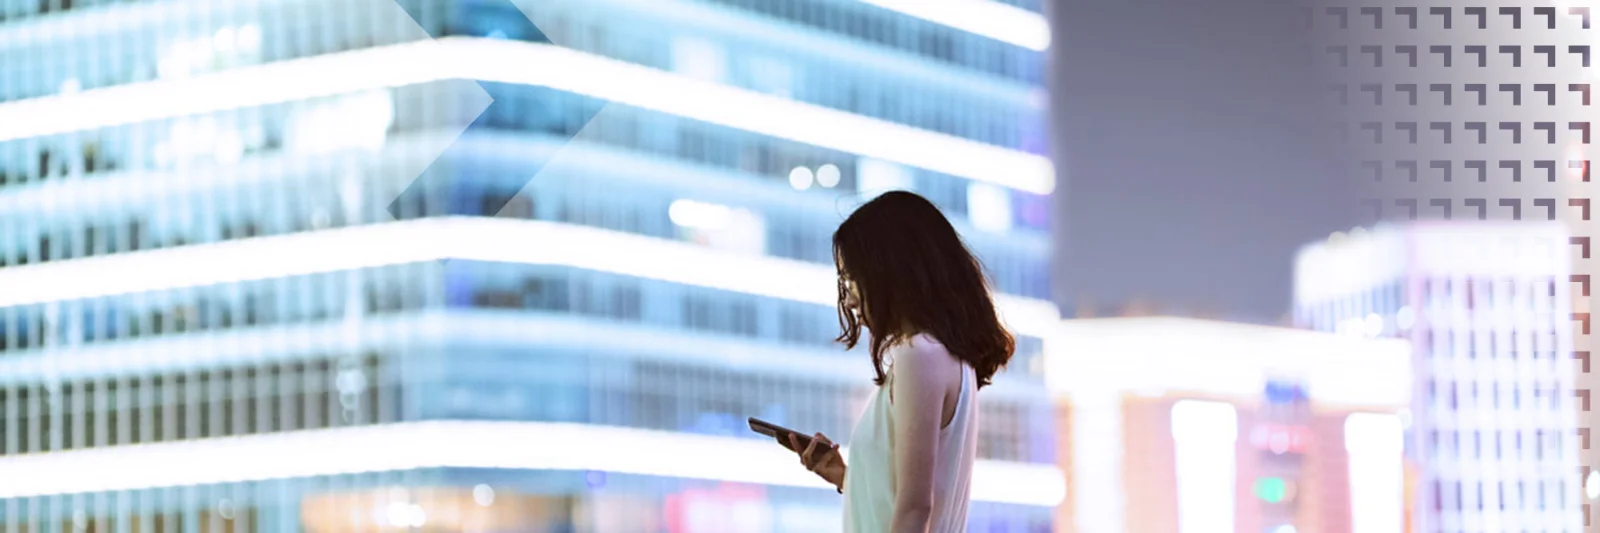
[921, 376]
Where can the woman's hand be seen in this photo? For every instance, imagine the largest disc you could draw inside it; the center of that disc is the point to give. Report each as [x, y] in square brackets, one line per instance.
[822, 457]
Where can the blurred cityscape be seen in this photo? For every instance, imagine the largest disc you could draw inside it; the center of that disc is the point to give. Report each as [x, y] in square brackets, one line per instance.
[528, 265]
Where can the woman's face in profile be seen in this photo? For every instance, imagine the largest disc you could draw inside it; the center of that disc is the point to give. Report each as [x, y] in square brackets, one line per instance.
[852, 293]
[852, 297]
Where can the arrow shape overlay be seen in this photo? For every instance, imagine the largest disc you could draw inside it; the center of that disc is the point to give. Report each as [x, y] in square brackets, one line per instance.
[447, 179]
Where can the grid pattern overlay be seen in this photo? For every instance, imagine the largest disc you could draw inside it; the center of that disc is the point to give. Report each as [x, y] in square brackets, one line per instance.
[1461, 119]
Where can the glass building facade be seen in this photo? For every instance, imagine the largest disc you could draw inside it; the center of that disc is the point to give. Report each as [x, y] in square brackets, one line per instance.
[474, 265]
[1492, 430]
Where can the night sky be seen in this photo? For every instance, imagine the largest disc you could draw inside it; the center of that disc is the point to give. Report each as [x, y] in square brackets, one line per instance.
[1185, 138]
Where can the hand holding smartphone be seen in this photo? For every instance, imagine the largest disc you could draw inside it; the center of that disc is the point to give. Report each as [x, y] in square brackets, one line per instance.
[783, 434]
[824, 459]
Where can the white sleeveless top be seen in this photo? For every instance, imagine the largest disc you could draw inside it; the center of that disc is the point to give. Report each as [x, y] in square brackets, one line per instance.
[869, 483]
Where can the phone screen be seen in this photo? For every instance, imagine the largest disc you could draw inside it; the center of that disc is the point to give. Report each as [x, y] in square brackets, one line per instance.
[781, 434]
[773, 430]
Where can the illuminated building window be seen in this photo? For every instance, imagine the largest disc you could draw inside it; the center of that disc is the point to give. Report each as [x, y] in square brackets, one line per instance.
[771, 76]
[1204, 434]
[877, 177]
[1374, 443]
[699, 58]
[989, 207]
[1438, 496]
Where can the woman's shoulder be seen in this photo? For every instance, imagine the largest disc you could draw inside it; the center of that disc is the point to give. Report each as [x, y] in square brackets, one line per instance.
[925, 351]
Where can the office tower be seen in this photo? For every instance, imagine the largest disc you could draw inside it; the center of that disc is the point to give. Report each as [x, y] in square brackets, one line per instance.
[1194, 426]
[363, 265]
[1492, 435]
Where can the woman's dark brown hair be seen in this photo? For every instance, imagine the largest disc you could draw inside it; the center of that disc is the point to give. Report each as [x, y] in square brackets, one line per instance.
[914, 275]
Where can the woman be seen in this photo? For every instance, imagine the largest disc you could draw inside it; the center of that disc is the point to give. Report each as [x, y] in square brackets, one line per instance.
[905, 276]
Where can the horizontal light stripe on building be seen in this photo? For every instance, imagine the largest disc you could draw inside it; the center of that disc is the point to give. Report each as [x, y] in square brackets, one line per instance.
[420, 330]
[482, 239]
[1163, 355]
[829, 46]
[1001, 22]
[995, 20]
[1348, 264]
[559, 68]
[459, 444]
[137, 189]
[95, 20]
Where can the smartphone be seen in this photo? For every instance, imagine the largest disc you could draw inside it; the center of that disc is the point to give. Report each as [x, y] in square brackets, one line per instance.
[782, 435]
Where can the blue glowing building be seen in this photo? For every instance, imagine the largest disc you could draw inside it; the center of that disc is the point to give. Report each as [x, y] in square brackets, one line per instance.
[474, 265]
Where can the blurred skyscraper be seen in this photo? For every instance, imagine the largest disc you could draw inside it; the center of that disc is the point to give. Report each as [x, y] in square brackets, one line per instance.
[212, 320]
[1492, 435]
